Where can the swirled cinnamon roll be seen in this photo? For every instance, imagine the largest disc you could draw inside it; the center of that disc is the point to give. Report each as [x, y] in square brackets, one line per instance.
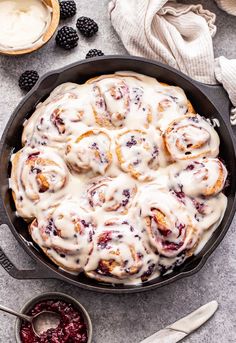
[170, 227]
[90, 151]
[54, 121]
[205, 176]
[190, 137]
[37, 174]
[120, 253]
[111, 100]
[65, 235]
[172, 104]
[139, 154]
[112, 194]
[118, 98]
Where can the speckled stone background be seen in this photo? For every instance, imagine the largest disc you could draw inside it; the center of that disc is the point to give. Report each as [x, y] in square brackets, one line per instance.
[123, 318]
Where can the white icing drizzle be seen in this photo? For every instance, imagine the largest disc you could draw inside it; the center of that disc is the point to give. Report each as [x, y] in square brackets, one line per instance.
[106, 182]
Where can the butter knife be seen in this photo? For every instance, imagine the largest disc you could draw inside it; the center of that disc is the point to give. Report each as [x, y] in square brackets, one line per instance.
[179, 330]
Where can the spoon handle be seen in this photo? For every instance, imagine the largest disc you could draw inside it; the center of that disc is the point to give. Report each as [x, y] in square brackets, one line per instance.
[14, 313]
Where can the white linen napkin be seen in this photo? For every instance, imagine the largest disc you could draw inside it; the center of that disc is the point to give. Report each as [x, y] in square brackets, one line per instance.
[225, 71]
[177, 34]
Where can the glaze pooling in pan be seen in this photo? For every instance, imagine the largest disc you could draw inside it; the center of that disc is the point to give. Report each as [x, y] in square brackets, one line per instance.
[119, 178]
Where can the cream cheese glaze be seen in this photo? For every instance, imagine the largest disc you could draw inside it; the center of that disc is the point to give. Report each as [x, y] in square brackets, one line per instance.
[23, 23]
[119, 178]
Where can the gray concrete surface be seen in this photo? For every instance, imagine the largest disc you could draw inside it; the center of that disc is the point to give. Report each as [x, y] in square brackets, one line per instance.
[123, 318]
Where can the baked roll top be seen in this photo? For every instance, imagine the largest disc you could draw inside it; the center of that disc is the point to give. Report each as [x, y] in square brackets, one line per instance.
[205, 176]
[190, 137]
[38, 175]
[65, 235]
[169, 225]
[90, 151]
[120, 253]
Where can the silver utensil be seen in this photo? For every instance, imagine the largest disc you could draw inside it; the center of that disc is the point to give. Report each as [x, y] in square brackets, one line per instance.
[176, 332]
[40, 322]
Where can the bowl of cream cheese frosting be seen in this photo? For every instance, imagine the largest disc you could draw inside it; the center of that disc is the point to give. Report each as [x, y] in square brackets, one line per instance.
[26, 25]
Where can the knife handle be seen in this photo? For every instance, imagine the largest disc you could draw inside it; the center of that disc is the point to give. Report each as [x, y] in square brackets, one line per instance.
[165, 336]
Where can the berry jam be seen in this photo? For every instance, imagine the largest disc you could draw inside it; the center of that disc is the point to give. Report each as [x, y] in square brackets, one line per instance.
[71, 329]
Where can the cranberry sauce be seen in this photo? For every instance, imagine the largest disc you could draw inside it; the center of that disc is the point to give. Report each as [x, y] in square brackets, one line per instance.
[71, 329]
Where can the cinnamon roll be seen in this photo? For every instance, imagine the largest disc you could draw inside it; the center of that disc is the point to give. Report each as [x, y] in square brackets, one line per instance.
[205, 176]
[170, 227]
[140, 114]
[90, 151]
[171, 103]
[117, 98]
[37, 174]
[56, 120]
[65, 235]
[120, 253]
[190, 137]
[111, 101]
[112, 194]
[139, 154]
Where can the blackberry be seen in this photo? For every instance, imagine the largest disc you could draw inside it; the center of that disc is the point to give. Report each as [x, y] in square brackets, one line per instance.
[67, 38]
[67, 9]
[28, 79]
[94, 53]
[87, 26]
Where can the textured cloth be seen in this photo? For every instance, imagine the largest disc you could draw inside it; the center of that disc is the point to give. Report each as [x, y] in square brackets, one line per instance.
[225, 71]
[176, 34]
[227, 5]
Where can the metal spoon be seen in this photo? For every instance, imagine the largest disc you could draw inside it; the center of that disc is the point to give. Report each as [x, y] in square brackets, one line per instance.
[41, 322]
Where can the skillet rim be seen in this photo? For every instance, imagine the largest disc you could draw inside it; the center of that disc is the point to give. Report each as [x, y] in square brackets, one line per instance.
[48, 270]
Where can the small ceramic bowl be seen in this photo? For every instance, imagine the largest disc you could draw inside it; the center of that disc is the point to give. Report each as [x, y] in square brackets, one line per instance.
[54, 4]
[55, 296]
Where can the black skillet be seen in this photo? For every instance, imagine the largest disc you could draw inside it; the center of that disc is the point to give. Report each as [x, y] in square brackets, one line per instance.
[210, 101]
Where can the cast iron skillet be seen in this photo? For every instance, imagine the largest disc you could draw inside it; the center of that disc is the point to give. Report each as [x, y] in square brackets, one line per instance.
[210, 101]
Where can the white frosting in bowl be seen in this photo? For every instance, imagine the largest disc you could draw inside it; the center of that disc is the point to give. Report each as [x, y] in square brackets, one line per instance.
[23, 23]
[119, 178]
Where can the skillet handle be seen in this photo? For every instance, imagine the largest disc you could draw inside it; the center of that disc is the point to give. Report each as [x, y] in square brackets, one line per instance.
[38, 273]
[219, 98]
